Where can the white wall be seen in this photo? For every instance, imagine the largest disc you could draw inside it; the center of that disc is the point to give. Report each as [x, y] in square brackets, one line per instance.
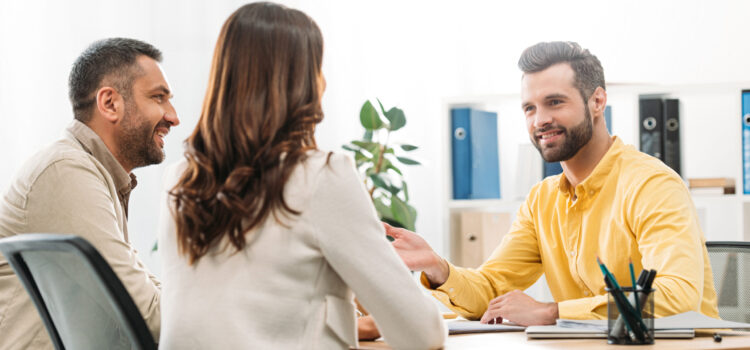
[411, 54]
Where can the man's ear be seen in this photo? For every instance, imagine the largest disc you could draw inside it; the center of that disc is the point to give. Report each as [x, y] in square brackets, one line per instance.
[598, 101]
[110, 104]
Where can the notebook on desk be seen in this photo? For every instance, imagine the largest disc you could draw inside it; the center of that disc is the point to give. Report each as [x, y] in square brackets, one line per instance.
[466, 327]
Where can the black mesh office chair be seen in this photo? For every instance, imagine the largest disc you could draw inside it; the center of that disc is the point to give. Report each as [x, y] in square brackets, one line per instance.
[79, 298]
[730, 263]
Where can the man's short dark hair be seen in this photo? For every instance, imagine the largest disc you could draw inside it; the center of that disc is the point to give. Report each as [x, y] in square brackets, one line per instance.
[114, 59]
[589, 73]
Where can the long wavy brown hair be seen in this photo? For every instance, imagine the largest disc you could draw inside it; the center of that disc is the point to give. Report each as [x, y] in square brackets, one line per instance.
[257, 122]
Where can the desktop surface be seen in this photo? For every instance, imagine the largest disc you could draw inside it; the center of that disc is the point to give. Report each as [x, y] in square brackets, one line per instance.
[518, 340]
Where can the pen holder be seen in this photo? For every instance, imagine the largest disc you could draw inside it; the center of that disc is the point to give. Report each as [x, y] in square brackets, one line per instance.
[629, 327]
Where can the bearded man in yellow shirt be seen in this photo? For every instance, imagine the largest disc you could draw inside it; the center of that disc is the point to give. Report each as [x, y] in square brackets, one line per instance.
[611, 201]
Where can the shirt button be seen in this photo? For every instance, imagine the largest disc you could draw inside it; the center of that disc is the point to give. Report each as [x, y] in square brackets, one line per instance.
[572, 253]
[591, 193]
[586, 293]
[450, 290]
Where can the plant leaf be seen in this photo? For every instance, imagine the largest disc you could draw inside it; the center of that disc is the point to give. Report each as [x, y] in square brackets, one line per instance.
[384, 183]
[371, 147]
[392, 167]
[396, 118]
[408, 161]
[369, 117]
[403, 213]
[360, 159]
[408, 148]
[381, 105]
[388, 165]
[350, 148]
[359, 156]
[406, 190]
[379, 181]
[384, 212]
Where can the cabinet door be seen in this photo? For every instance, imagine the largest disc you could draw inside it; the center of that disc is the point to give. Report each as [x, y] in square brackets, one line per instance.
[478, 234]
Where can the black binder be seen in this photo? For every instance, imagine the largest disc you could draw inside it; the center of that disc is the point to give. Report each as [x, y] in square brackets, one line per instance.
[652, 126]
[672, 134]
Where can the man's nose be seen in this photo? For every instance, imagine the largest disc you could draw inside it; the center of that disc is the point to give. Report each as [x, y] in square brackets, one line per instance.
[171, 116]
[542, 119]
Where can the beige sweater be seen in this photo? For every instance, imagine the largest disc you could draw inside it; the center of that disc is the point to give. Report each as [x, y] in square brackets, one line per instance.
[292, 287]
[75, 186]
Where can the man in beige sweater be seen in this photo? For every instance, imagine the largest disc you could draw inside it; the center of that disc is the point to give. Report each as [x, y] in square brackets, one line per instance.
[81, 183]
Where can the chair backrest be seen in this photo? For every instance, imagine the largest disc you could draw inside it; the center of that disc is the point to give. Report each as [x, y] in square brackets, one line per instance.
[79, 298]
[730, 263]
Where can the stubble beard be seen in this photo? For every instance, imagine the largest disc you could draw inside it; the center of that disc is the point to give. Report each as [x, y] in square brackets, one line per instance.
[574, 139]
[137, 145]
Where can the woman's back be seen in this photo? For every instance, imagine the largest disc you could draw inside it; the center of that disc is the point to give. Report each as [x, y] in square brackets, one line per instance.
[291, 286]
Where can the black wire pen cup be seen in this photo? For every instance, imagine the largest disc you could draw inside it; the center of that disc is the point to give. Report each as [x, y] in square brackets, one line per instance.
[630, 322]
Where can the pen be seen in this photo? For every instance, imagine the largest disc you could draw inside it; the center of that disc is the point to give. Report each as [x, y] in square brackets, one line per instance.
[608, 274]
[635, 288]
[616, 291]
[621, 323]
[632, 321]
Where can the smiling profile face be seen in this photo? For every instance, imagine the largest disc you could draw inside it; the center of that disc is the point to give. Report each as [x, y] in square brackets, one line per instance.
[149, 115]
[557, 118]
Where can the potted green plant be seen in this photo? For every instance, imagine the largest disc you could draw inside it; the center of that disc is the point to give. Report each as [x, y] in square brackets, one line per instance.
[376, 158]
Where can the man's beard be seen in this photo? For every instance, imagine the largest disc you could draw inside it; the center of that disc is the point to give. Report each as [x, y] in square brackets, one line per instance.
[575, 138]
[136, 142]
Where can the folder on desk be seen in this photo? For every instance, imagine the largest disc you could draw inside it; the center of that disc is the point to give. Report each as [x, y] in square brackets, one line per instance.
[476, 164]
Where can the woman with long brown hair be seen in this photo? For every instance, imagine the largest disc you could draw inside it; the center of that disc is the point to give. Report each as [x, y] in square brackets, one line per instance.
[264, 238]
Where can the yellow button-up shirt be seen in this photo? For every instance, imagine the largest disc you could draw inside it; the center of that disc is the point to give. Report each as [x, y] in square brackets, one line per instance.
[631, 206]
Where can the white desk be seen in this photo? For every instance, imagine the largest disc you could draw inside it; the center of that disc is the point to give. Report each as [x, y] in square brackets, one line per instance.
[517, 340]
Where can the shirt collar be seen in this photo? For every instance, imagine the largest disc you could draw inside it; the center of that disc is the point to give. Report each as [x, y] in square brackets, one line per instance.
[594, 182]
[94, 146]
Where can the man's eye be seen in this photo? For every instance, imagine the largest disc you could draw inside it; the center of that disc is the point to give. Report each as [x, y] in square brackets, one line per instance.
[159, 98]
[528, 109]
[555, 102]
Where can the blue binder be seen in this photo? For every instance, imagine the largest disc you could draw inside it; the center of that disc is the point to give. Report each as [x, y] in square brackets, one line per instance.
[476, 169]
[555, 168]
[746, 141]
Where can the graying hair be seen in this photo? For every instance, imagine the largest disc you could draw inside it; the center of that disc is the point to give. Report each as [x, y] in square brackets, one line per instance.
[114, 58]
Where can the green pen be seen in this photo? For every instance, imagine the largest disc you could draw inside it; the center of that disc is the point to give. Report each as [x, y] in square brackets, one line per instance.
[635, 288]
[615, 289]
